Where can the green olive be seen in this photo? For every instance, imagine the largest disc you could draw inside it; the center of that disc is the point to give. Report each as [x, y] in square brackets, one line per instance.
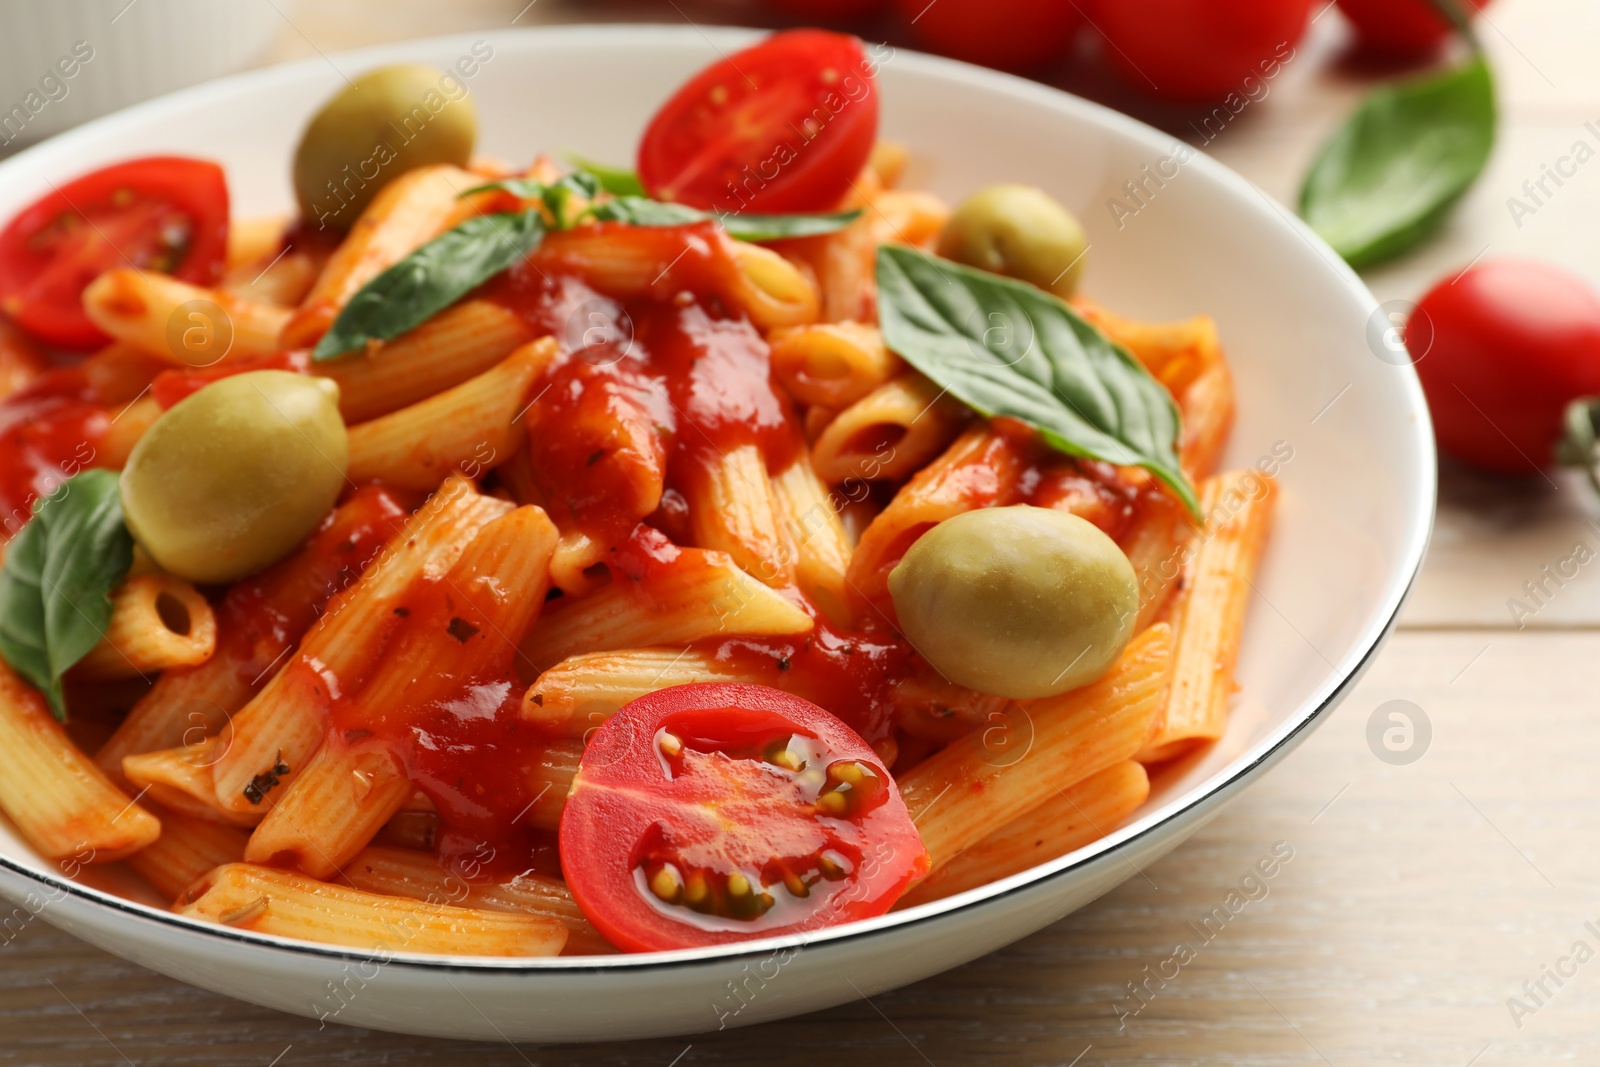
[236, 476]
[1019, 602]
[1019, 231]
[381, 125]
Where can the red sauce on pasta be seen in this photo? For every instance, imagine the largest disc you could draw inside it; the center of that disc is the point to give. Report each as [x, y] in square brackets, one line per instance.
[686, 380]
[49, 430]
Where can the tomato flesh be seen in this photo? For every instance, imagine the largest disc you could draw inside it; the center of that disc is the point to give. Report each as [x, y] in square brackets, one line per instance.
[784, 126]
[161, 213]
[704, 814]
[1513, 341]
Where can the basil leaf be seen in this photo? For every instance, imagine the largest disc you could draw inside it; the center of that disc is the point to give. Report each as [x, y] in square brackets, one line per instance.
[1004, 347]
[431, 279]
[614, 180]
[639, 211]
[1389, 177]
[55, 586]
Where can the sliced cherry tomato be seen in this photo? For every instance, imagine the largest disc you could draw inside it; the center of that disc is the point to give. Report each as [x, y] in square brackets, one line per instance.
[704, 814]
[163, 213]
[1009, 34]
[1404, 28]
[783, 126]
[1501, 348]
[1201, 50]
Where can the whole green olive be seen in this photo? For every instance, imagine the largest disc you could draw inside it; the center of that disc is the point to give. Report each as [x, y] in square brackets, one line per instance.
[1019, 231]
[381, 125]
[1020, 602]
[236, 476]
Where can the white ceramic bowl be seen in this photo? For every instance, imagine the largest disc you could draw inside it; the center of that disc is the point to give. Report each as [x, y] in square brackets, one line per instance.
[1356, 506]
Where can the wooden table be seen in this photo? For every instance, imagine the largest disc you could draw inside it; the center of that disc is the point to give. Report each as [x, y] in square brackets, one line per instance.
[1419, 898]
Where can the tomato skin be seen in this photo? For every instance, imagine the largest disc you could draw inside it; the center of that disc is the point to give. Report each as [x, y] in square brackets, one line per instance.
[1009, 34]
[45, 264]
[828, 10]
[1403, 28]
[783, 126]
[1513, 342]
[1199, 51]
[630, 803]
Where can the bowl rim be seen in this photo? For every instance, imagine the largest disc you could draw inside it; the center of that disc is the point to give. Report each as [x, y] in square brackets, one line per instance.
[1245, 766]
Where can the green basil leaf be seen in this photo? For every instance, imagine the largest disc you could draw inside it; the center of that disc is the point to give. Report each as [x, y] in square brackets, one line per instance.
[55, 586]
[1392, 173]
[639, 211]
[1004, 347]
[614, 180]
[431, 279]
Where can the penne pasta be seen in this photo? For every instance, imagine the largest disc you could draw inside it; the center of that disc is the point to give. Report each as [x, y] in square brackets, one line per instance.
[959, 794]
[455, 345]
[980, 469]
[401, 872]
[888, 434]
[268, 901]
[180, 780]
[252, 239]
[833, 364]
[581, 692]
[157, 622]
[693, 594]
[1068, 819]
[908, 217]
[732, 509]
[822, 548]
[283, 725]
[1207, 406]
[628, 262]
[55, 796]
[1208, 612]
[550, 777]
[182, 324]
[469, 427]
[1175, 352]
[186, 851]
[350, 790]
[408, 212]
[258, 621]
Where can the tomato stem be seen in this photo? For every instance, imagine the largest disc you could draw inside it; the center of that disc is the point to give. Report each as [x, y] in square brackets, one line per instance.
[1577, 447]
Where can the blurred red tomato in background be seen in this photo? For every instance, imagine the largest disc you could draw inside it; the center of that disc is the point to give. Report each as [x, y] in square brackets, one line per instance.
[1513, 342]
[828, 10]
[1400, 27]
[1009, 34]
[1200, 50]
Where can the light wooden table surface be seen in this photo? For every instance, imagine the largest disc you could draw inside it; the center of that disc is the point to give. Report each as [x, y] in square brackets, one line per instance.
[1419, 898]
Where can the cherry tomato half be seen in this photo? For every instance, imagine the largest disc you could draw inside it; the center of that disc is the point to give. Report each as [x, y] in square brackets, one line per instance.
[1512, 342]
[783, 126]
[1200, 50]
[162, 213]
[1400, 27]
[1009, 34]
[704, 814]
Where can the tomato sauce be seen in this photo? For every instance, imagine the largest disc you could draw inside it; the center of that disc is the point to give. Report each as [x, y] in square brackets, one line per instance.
[50, 430]
[684, 379]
